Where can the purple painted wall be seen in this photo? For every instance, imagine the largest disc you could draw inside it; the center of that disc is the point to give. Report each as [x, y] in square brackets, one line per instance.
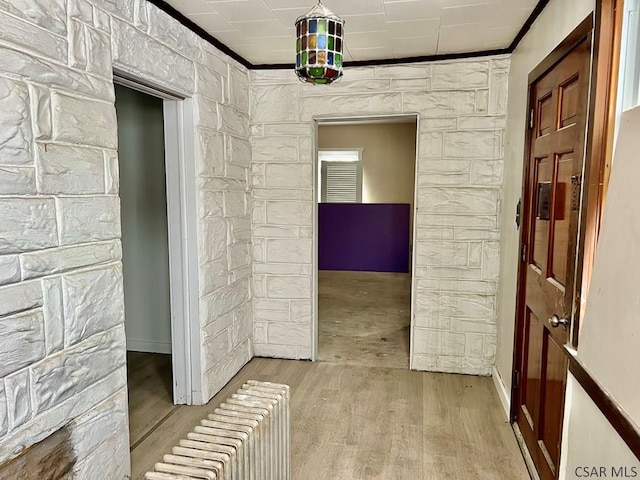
[364, 237]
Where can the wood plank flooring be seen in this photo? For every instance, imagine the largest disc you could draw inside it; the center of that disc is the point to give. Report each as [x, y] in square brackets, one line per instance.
[150, 394]
[352, 422]
[364, 318]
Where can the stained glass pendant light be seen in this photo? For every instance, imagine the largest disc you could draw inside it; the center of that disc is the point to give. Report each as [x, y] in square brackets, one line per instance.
[319, 45]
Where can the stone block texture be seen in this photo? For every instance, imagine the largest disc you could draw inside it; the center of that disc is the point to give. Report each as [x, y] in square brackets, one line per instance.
[461, 109]
[63, 354]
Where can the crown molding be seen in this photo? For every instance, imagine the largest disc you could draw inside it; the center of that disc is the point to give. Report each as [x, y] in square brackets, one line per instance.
[202, 33]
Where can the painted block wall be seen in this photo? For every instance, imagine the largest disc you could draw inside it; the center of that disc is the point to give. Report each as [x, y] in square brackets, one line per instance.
[62, 355]
[462, 107]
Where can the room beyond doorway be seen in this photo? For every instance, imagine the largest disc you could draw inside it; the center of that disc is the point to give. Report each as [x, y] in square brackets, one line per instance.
[366, 176]
[364, 318]
[155, 158]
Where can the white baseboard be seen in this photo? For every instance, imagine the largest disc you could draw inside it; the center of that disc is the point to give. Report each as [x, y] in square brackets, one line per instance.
[502, 392]
[148, 346]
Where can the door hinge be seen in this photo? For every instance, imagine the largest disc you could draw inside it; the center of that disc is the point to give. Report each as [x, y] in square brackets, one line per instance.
[523, 252]
[531, 118]
[517, 379]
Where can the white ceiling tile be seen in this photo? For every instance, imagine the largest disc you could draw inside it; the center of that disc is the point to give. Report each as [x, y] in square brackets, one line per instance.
[262, 28]
[279, 43]
[288, 16]
[502, 35]
[233, 38]
[414, 46]
[414, 28]
[374, 53]
[277, 4]
[518, 4]
[462, 3]
[247, 51]
[457, 38]
[354, 7]
[242, 10]
[407, 10]
[511, 17]
[365, 23]
[279, 56]
[211, 22]
[366, 39]
[479, 13]
[190, 7]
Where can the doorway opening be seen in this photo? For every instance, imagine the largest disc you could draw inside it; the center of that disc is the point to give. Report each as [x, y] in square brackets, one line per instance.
[145, 257]
[366, 174]
[156, 251]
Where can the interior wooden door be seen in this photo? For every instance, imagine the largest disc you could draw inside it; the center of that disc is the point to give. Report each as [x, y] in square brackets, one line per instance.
[559, 101]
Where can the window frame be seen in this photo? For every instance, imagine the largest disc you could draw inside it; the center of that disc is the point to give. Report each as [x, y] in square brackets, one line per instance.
[629, 76]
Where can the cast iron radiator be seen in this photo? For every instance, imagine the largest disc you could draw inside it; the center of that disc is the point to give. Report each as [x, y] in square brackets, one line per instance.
[246, 438]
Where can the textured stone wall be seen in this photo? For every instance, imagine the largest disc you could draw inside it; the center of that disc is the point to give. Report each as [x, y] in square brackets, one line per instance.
[462, 107]
[62, 350]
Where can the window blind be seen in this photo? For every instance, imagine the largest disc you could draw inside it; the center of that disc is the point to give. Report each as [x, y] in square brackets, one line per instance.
[340, 182]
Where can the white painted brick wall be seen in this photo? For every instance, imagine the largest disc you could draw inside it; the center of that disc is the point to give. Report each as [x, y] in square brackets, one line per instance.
[62, 354]
[462, 119]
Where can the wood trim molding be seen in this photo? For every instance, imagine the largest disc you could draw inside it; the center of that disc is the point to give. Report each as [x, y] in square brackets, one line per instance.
[620, 421]
[202, 33]
[395, 61]
[601, 121]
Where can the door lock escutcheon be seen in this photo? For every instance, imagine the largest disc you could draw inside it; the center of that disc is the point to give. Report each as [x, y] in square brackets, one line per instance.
[555, 321]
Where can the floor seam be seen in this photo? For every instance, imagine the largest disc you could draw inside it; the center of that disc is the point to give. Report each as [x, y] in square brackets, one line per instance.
[154, 428]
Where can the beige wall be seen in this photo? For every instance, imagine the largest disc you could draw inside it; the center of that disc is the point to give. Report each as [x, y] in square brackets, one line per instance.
[557, 20]
[610, 331]
[388, 157]
[609, 343]
[590, 440]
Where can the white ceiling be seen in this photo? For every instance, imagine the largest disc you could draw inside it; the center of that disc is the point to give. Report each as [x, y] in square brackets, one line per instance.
[263, 32]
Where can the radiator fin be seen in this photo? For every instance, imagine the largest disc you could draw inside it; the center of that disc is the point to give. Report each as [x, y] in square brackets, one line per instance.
[245, 438]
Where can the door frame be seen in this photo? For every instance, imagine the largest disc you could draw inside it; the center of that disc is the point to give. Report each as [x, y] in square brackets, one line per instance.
[355, 120]
[179, 147]
[583, 31]
[602, 27]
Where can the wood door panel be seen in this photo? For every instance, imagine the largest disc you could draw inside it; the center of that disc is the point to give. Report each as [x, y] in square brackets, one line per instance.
[546, 115]
[569, 102]
[556, 159]
[562, 141]
[561, 223]
[543, 175]
[554, 380]
[534, 331]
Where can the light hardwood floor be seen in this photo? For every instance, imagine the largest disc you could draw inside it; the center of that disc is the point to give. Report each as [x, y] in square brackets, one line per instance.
[353, 422]
[364, 318]
[150, 394]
